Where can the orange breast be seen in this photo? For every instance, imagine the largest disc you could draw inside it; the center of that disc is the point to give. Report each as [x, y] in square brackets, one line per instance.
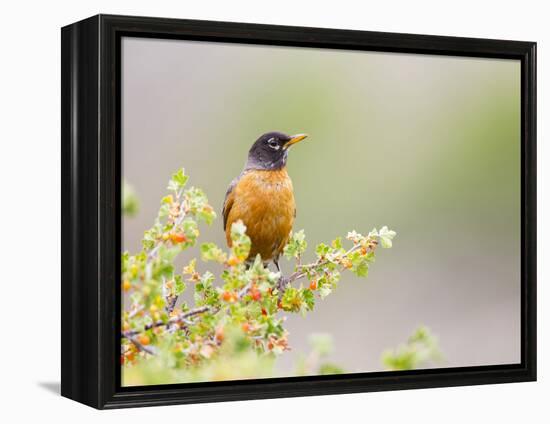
[264, 201]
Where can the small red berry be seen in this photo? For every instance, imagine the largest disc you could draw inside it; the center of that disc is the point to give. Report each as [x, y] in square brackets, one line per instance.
[126, 285]
[219, 334]
[144, 339]
[228, 296]
[232, 261]
[178, 238]
[255, 293]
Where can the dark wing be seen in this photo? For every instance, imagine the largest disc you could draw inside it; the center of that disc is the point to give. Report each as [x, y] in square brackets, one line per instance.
[229, 198]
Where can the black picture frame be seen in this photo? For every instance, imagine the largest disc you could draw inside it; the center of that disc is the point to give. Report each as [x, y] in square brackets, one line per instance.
[91, 218]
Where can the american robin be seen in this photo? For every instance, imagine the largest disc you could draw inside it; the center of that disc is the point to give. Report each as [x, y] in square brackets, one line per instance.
[262, 197]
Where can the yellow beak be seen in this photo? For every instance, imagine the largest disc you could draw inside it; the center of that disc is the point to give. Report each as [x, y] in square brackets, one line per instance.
[295, 139]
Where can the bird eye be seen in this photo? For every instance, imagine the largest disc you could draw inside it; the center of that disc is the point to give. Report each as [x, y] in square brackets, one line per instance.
[273, 144]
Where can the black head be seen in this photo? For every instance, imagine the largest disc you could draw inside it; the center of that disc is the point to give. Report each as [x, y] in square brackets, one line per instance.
[270, 151]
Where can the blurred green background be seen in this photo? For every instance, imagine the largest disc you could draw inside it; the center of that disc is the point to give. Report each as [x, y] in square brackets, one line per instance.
[428, 145]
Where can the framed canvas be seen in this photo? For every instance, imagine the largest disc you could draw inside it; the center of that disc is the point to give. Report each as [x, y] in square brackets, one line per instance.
[227, 187]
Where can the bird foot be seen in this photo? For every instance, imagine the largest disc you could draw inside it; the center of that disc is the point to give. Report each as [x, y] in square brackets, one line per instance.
[282, 285]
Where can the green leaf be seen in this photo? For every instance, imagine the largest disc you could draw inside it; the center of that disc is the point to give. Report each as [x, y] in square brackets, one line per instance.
[322, 249]
[148, 241]
[207, 279]
[125, 257]
[361, 269]
[360, 265]
[238, 229]
[198, 205]
[329, 368]
[324, 291]
[354, 236]
[130, 202]
[178, 180]
[164, 210]
[296, 245]
[386, 235]
[291, 301]
[179, 285]
[211, 252]
[240, 242]
[207, 215]
[167, 199]
[420, 348]
[309, 299]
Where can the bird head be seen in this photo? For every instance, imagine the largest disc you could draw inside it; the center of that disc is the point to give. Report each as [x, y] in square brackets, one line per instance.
[270, 151]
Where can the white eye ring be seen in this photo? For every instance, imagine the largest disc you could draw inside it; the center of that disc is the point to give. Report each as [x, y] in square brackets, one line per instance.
[273, 144]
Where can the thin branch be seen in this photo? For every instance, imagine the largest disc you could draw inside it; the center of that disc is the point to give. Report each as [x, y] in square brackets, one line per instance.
[283, 284]
[244, 290]
[181, 317]
[182, 214]
[135, 311]
[147, 349]
[170, 300]
[302, 270]
[153, 253]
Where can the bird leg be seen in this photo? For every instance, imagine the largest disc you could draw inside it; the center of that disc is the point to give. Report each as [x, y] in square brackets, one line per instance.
[281, 285]
[283, 282]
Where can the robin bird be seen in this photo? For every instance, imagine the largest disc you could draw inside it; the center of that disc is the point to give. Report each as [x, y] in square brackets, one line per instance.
[262, 197]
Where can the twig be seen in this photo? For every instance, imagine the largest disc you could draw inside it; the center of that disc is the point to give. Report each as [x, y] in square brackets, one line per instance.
[170, 300]
[147, 349]
[173, 320]
[183, 316]
[135, 311]
[244, 290]
[151, 255]
[302, 270]
[283, 284]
